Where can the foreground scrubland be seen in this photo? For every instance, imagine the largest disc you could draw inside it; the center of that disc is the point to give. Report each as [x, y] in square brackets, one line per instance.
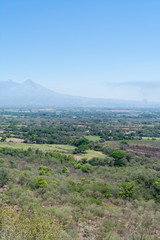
[79, 174]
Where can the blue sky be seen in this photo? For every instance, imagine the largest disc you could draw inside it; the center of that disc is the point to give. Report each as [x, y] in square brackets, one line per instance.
[94, 48]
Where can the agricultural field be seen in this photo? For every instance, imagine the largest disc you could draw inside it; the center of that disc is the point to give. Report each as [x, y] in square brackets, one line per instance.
[80, 173]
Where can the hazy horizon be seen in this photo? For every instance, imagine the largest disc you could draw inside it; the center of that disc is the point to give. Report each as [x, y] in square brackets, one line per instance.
[141, 88]
[97, 49]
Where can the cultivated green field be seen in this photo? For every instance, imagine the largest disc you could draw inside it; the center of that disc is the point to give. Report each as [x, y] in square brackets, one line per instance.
[44, 147]
[64, 149]
[93, 138]
[151, 138]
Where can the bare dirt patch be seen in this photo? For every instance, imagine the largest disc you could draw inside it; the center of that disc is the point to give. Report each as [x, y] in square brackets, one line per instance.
[16, 140]
[145, 150]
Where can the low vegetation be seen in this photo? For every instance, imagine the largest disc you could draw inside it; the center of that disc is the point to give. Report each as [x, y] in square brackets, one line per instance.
[79, 174]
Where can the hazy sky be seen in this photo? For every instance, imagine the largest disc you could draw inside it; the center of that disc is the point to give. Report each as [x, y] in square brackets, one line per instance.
[95, 48]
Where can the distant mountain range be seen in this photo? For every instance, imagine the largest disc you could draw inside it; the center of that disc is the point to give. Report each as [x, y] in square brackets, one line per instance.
[29, 93]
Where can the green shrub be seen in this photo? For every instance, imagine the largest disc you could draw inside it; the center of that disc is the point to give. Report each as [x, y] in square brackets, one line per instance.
[41, 182]
[4, 176]
[104, 189]
[86, 168]
[64, 214]
[37, 182]
[29, 168]
[100, 161]
[65, 170]
[96, 210]
[76, 187]
[43, 170]
[77, 166]
[1, 160]
[98, 202]
[23, 178]
[12, 163]
[127, 190]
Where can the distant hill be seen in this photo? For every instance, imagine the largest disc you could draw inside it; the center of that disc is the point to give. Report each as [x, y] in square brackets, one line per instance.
[30, 93]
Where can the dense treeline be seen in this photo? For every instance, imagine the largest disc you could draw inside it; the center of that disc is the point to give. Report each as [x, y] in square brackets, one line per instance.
[61, 127]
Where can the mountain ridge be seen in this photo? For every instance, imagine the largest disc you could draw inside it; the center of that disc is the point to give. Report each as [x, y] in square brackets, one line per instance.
[29, 93]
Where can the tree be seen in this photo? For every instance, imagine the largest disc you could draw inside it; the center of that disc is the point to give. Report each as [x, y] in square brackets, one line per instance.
[3, 138]
[82, 141]
[118, 158]
[81, 149]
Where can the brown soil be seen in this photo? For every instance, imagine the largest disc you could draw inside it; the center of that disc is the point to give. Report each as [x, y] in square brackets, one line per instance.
[145, 150]
[16, 140]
